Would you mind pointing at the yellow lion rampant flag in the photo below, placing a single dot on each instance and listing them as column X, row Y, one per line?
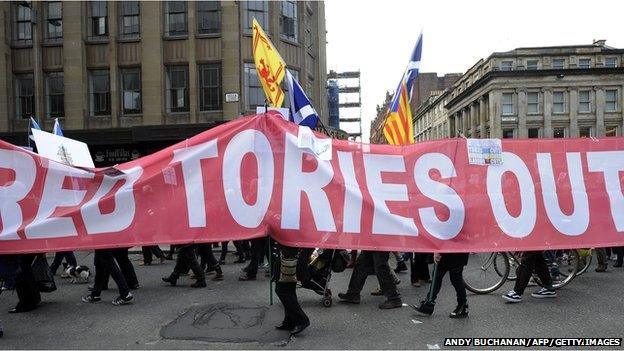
column 270, row 66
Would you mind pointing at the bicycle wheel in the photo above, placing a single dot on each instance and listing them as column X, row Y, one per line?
column 585, row 259
column 486, row 272
column 562, row 265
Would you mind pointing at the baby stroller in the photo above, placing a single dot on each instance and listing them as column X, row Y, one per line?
column 320, row 268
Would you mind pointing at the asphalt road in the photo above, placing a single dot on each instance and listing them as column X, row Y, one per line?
column 591, row 306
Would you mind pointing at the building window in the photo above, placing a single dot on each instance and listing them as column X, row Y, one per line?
column 54, row 21
column 288, row 21
column 99, row 92
column 532, row 64
column 508, row 133
column 55, row 95
column 584, row 101
column 131, row 91
column 584, row 63
column 586, row 132
column 177, row 89
column 558, row 63
column 508, row 104
column 210, row 87
column 129, row 23
column 253, row 88
column 611, row 100
column 25, row 95
column 175, row 18
column 98, row 19
column 533, row 105
column 611, row 62
column 257, row 9
column 533, row 133
column 559, row 133
column 208, row 17
column 506, row 65
column 611, row 131
column 559, row 103
column 23, row 26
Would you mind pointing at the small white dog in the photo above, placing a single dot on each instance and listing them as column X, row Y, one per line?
column 78, row 274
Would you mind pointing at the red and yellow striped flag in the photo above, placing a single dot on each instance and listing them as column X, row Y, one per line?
column 398, row 127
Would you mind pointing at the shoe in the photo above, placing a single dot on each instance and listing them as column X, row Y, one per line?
column 425, row 308
column 389, row 304
column 377, row 292
column 123, row 300
column 512, row 296
column 135, row 286
column 218, row 274
column 284, row 326
column 401, row 267
column 416, row 284
column 601, row 268
column 91, row 299
column 349, row 298
column 244, row 277
column 22, row 309
column 544, row 293
column 199, row 284
column 299, row 328
column 171, row 280
column 461, row 311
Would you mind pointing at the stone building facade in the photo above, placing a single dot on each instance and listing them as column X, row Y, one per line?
column 550, row 92
column 138, row 75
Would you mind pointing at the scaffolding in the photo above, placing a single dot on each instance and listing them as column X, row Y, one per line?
column 350, row 97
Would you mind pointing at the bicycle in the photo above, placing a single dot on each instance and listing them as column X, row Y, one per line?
column 486, row 272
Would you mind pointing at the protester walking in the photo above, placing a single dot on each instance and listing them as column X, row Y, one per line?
column 105, row 266
column 531, row 262
column 186, row 259
column 150, row 251
column 292, row 263
column 70, row 259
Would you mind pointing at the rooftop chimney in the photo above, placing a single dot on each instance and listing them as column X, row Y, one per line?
column 599, row 42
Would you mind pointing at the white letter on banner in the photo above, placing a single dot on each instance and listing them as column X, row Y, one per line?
column 352, row 211
column 385, row 222
column 610, row 163
column 439, row 192
column 191, row 157
column 516, row 227
column 95, row 221
column 577, row 222
column 296, row 181
column 25, row 172
column 54, row 196
column 248, row 141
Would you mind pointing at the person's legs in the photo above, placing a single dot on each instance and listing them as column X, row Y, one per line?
column 603, row 258
column 147, row 255
column 384, row 276
column 525, row 270
column 158, row 252
column 293, row 313
column 70, row 258
column 224, row 251
column 25, row 285
column 257, row 252
column 620, row 256
column 116, row 273
column 58, row 259
column 457, row 279
column 363, row 267
column 126, row 267
column 436, row 283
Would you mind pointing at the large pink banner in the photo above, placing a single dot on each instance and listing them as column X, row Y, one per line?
column 253, row 176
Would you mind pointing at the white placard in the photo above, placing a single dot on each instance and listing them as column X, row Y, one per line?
column 484, row 151
column 61, row 149
column 322, row 148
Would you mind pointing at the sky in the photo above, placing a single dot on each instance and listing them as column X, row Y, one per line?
column 377, row 37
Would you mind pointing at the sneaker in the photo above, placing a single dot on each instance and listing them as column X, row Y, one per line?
column 388, row 304
column 123, row 300
column 461, row 311
column 91, row 299
column 544, row 293
column 425, row 308
column 350, row 298
column 512, row 296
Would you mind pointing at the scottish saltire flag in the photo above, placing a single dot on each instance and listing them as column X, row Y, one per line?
column 301, row 110
column 398, row 127
column 35, row 125
column 57, row 128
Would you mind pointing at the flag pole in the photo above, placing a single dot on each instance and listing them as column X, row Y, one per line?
column 28, row 131
column 323, row 126
column 270, row 272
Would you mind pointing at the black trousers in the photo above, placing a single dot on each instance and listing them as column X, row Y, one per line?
column 373, row 262
column 69, row 257
column 531, row 261
column 126, row 267
column 419, row 267
column 456, row 277
column 293, row 313
column 149, row 251
column 186, row 259
column 258, row 248
column 206, row 256
column 105, row 266
column 25, row 285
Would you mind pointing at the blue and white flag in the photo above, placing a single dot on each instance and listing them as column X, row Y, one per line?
column 301, row 110
column 57, row 128
column 33, row 125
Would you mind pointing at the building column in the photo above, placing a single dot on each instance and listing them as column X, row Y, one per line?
column 548, row 102
column 574, row 129
column 232, row 81
column 37, row 38
column 466, row 121
column 152, row 69
column 494, row 108
column 600, row 106
column 192, row 63
column 482, row 114
column 6, row 77
column 74, row 66
column 473, row 120
column 522, row 114
column 115, row 84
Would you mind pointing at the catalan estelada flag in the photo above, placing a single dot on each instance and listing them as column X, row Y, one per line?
column 270, row 66
column 398, row 126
